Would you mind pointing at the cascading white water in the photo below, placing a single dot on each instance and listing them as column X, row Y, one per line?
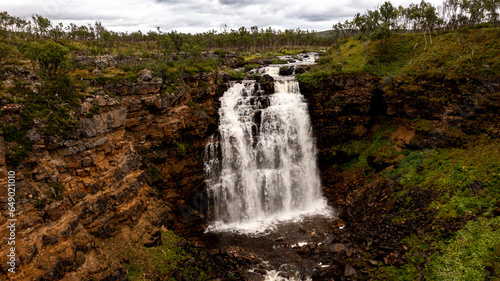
column 263, row 167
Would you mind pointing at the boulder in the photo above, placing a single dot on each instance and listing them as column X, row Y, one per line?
column 349, row 271
column 145, row 75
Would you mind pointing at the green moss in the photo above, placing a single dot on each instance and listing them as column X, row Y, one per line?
column 181, row 148
column 280, row 61
column 373, row 154
column 57, row 191
column 475, row 248
column 93, row 110
column 423, row 125
column 117, row 78
column 195, row 106
column 250, row 66
column 154, row 174
column 235, row 74
column 19, row 144
column 165, row 262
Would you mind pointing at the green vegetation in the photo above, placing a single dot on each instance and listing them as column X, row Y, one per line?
column 195, row 106
column 167, row 261
column 51, row 57
column 21, row 143
column 475, row 248
column 181, row 148
column 372, row 154
column 57, row 191
column 466, row 179
column 398, row 42
column 454, row 190
column 71, row 62
column 280, row 61
column 452, row 55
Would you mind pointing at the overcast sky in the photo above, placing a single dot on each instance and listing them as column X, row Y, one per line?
column 196, row 15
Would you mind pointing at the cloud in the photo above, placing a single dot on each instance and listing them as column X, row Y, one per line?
column 196, row 15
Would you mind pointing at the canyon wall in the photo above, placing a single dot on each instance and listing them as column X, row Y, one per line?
column 136, row 165
column 124, row 173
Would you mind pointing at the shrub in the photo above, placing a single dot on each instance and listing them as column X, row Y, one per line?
column 51, row 57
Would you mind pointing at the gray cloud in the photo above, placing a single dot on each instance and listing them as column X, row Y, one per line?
column 197, row 15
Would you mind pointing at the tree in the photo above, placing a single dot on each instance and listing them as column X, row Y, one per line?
column 166, row 44
column 51, row 57
column 42, row 24
column 388, row 13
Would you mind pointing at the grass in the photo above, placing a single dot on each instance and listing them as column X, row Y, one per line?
column 372, row 154
column 454, row 173
column 166, row 261
column 466, row 186
column 468, row 52
column 455, row 190
column 475, row 248
column 235, row 74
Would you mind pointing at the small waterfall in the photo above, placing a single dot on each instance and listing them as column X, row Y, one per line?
column 262, row 168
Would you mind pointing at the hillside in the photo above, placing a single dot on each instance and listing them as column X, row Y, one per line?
column 408, row 142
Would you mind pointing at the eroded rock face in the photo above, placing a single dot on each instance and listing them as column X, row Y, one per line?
column 76, row 194
column 350, row 108
column 3, row 171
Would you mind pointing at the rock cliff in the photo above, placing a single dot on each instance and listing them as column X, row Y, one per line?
column 428, row 112
column 136, row 164
column 74, row 194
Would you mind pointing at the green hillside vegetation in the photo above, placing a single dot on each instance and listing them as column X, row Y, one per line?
column 452, row 191
column 471, row 52
column 460, row 39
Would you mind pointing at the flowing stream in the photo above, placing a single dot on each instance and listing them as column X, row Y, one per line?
column 262, row 168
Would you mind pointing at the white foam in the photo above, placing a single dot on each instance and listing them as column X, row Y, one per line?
column 262, row 174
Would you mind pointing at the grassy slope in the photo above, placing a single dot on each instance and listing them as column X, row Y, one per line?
column 471, row 52
column 464, row 182
column 450, row 177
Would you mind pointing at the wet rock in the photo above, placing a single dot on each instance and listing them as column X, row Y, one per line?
column 302, row 69
column 260, row 271
column 337, row 248
column 268, row 78
column 349, row 271
column 333, row 272
column 286, row 70
column 304, row 250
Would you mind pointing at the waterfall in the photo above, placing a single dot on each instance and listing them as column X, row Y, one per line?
column 262, row 168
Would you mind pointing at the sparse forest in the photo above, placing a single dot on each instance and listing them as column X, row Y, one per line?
column 422, row 17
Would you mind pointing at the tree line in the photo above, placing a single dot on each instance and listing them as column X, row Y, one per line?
column 422, row 17
column 100, row 40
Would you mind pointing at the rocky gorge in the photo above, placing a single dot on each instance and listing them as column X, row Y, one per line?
column 133, row 170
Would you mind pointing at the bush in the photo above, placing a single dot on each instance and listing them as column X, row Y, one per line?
column 4, row 51
column 51, row 57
